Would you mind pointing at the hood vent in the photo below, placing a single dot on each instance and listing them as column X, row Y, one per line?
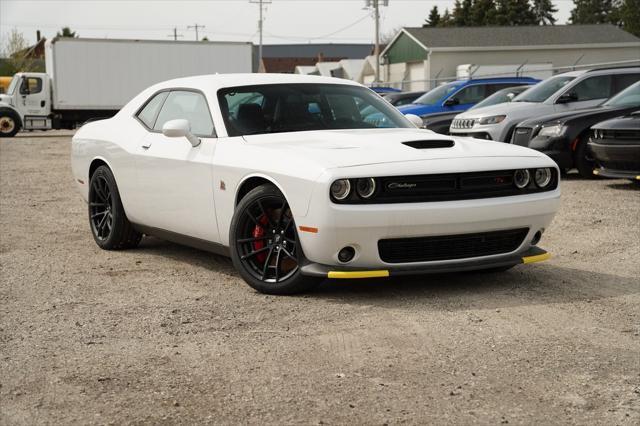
column 428, row 144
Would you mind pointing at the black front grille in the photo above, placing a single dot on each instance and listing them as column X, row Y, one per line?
column 448, row 247
column 620, row 134
column 521, row 136
column 623, row 166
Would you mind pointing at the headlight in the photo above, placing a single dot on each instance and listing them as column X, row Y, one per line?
column 492, row 120
column 552, row 131
column 521, row 178
column 341, row 189
column 366, row 187
column 542, row 177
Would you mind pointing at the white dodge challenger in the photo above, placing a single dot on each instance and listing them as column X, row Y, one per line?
column 302, row 178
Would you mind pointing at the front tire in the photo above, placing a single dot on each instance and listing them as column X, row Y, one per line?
column 264, row 244
column 109, row 224
column 583, row 160
column 9, row 123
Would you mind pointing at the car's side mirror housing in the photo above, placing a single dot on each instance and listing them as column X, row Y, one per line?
column 566, row 98
column 451, row 102
column 180, row 128
column 415, row 120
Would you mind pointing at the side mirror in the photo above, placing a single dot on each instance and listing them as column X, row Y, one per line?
column 451, row 102
column 565, row 98
column 180, row 128
column 415, row 120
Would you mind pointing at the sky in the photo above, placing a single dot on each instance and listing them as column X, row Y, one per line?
column 286, row 21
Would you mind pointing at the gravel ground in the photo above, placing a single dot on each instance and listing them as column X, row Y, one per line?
column 166, row 334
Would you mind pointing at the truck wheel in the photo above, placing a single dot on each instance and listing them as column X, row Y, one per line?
column 583, row 160
column 109, row 224
column 264, row 244
column 9, row 124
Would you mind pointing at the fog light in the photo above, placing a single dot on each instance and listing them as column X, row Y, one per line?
column 346, row 254
column 536, row 238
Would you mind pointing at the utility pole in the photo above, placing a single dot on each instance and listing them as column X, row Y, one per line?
column 175, row 34
column 375, row 5
column 260, row 25
column 196, row 26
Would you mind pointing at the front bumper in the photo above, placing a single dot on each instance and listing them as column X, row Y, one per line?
column 616, row 160
column 534, row 254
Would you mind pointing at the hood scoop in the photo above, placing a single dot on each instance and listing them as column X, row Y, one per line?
column 432, row 143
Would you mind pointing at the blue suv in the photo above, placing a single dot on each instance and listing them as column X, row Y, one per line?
column 460, row 95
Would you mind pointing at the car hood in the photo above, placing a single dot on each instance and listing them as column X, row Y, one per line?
column 510, row 109
column 346, row 148
column 628, row 122
column 563, row 117
column 419, row 109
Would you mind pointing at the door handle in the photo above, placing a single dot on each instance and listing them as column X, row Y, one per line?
column 146, row 145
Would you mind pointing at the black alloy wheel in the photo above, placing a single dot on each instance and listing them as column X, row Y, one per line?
column 109, row 224
column 264, row 243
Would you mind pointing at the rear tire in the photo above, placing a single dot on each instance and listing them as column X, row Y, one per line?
column 110, row 227
column 9, row 123
column 264, row 244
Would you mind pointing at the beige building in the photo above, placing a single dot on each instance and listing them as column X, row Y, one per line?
column 419, row 58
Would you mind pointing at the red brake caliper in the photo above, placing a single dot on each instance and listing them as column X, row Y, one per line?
column 258, row 231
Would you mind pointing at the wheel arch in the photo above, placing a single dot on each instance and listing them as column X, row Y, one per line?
column 97, row 162
column 253, row 181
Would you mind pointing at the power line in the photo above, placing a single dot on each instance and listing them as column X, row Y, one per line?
column 175, row 34
column 196, row 26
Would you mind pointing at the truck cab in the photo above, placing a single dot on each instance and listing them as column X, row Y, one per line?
column 26, row 105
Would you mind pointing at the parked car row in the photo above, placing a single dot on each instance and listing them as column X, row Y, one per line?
column 557, row 116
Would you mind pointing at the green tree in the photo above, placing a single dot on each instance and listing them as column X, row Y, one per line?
column 433, row 20
column 446, row 20
column 594, row 12
column 17, row 52
column 483, row 12
column 462, row 13
column 66, row 32
column 630, row 16
column 544, row 11
column 515, row 12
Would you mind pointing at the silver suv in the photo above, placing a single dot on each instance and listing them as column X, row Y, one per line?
column 560, row 93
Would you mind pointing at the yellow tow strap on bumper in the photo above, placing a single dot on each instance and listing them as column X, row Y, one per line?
column 357, row 274
column 536, row 258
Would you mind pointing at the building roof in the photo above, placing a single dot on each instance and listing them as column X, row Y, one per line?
column 340, row 50
column 451, row 37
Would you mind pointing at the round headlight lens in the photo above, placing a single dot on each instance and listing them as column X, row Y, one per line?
column 366, row 187
column 521, row 178
column 543, row 177
column 341, row 189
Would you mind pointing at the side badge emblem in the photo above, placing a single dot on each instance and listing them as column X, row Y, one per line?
column 222, row 185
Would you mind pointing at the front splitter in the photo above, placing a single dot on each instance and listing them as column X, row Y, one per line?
column 534, row 254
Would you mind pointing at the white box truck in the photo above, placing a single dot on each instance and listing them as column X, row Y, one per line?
column 93, row 78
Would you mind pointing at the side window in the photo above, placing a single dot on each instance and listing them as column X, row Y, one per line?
column 470, row 94
column 622, row 81
column 149, row 113
column 191, row 106
column 493, row 88
column 598, row 87
column 31, row 86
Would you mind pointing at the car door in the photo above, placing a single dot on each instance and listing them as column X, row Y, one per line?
column 586, row 93
column 33, row 96
column 174, row 178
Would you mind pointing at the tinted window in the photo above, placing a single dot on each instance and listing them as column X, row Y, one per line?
column 542, row 91
column 598, row 87
column 622, row 81
column 501, row 96
column 470, row 94
column 434, row 95
column 403, row 101
column 191, row 106
column 630, row 97
column 493, row 88
column 149, row 112
column 274, row 108
column 31, row 85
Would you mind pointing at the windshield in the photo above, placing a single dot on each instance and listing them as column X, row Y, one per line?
column 628, row 97
column 434, row 95
column 542, row 91
column 501, row 96
column 12, row 85
column 276, row 108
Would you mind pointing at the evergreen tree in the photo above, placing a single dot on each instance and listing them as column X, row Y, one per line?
column 594, row 12
column 446, row 20
column 543, row 11
column 66, row 32
column 483, row 12
column 462, row 13
column 630, row 16
column 515, row 12
column 434, row 18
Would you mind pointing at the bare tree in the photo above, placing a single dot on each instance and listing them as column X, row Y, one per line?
column 18, row 53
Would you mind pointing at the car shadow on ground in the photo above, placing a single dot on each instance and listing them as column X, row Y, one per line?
column 522, row 285
column 625, row 185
